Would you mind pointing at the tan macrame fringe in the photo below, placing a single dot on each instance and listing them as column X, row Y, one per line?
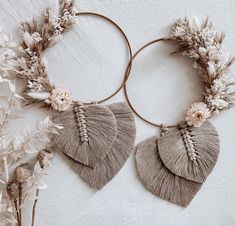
column 192, row 155
column 106, row 169
column 101, row 132
column 160, row 180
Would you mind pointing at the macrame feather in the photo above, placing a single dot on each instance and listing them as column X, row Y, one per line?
column 190, row 152
column 88, row 134
column 107, row 168
column 158, row 179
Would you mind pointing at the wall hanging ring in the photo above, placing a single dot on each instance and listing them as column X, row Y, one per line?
column 161, row 125
column 129, row 49
column 96, row 139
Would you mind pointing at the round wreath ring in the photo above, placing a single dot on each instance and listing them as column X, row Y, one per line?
column 203, row 45
column 31, row 66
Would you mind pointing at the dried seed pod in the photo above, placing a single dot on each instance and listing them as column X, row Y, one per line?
column 13, row 190
column 40, row 158
column 23, row 172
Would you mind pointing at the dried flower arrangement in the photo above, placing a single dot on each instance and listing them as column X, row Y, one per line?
column 30, row 65
column 200, row 42
column 16, row 189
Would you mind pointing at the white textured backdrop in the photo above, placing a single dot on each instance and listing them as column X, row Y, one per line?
column 90, row 61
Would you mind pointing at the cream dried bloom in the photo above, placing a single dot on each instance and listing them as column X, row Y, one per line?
column 197, row 114
column 36, row 36
column 218, row 86
column 60, row 99
column 219, row 103
column 31, row 39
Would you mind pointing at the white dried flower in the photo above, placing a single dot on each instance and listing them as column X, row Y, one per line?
column 218, row 86
column 36, row 36
column 34, row 86
column 223, row 58
column 197, row 114
column 219, row 103
column 203, row 51
column 28, row 39
column 179, row 31
column 211, row 68
column 60, row 99
column 57, row 28
column 31, row 39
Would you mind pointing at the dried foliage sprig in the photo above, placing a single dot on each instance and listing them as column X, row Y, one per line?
column 10, row 106
column 7, row 213
column 7, row 54
column 25, row 180
column 41, row 168
column 29, row 141
column 31, row 66
column 35, row 182
column 203, row 44
column 9, row 109
column 14, row 190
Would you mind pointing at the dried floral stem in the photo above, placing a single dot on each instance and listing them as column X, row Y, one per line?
column 1, row 181
column 6, row 117
column 20, row 201
column 17, row 212
column 6, row 168
column 41, row 157
column 34, row 207
column 34, row 182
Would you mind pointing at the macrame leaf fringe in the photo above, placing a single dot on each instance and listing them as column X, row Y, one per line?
column 190, row 152
column 88, row 134
column 108, row 167
column 158, row 179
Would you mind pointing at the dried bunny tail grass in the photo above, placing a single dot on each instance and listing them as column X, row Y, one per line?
column 200, row 42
